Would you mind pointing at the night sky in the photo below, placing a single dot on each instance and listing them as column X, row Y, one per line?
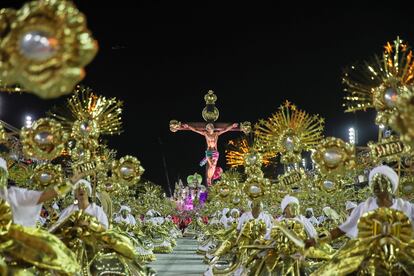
column 161, row 59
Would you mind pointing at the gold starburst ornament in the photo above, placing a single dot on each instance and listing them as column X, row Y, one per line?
column 44, row 140
column 91, row 115
column 241, row 153
column 290, row 131
column 379, row 84
column 44, row 47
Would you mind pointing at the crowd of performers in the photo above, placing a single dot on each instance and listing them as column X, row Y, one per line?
column 256, row 242
column 79, row 239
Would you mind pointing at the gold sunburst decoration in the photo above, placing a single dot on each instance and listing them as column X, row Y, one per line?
column 44, row 140
column 91, row 115
column 378, row 84
column 44, row 47
column 333, row 157
column 384, row 223
column 240, row 149
column 290, row 131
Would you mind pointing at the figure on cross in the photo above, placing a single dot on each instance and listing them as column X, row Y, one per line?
column 211, row 153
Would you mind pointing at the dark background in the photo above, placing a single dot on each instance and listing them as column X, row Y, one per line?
column 161, row 59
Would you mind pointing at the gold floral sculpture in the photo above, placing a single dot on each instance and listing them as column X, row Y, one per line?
column 44, row 47
column 44, row 140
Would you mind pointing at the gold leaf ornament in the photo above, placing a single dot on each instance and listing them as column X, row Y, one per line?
column 44, row 140
column 44, row 47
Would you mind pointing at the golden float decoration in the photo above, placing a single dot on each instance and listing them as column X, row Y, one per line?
column 296, row 180
column 379, row 84
column 240, row 153
column 44, row 47
column 81, row 152
column 389, row 149
column 44, row 140
column 406, row 186
column 46, row 175
column 334, row 157
column 246, row 127
column 127, row 170
column 290, row 131
column 329, row 185
column 403, row 120
column 175, row 125
column 3, row 134
column 255, row 187
column 90, row 117
column 210, row 113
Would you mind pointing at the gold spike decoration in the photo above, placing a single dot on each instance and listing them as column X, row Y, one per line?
column 290, row 131
column 239, row 149
column 91, row 115
column 378, row 84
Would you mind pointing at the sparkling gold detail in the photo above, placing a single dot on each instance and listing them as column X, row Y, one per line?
column 44, row 47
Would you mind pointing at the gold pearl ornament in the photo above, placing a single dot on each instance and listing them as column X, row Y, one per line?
column 44, row 47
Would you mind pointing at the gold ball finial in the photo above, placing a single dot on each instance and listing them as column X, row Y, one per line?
column 210, row 113
column 210, row 97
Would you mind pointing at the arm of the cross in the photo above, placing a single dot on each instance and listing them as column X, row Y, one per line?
column 201, row 126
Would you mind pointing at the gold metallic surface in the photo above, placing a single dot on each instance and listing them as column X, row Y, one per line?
column 69, row 42
column 342, row 161
column 290, row 131
column 379, row 84
column 44, row 140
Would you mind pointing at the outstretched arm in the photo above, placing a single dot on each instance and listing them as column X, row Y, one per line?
column 185, row 126
column 228, row 128
column 333, row 235
column 52, row 193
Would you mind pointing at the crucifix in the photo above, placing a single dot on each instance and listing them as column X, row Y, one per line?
column 211, row 131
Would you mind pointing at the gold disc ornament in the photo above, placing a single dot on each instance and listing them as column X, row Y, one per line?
column 44, row 47
column 44, row 140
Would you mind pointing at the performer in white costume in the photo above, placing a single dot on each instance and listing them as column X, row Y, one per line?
column 311, row 217
column 383, row 182
column 82, row 192
column 350, row 206
column 27, row 204
column 125, row 216
column 257, row 214
column 293, row 213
